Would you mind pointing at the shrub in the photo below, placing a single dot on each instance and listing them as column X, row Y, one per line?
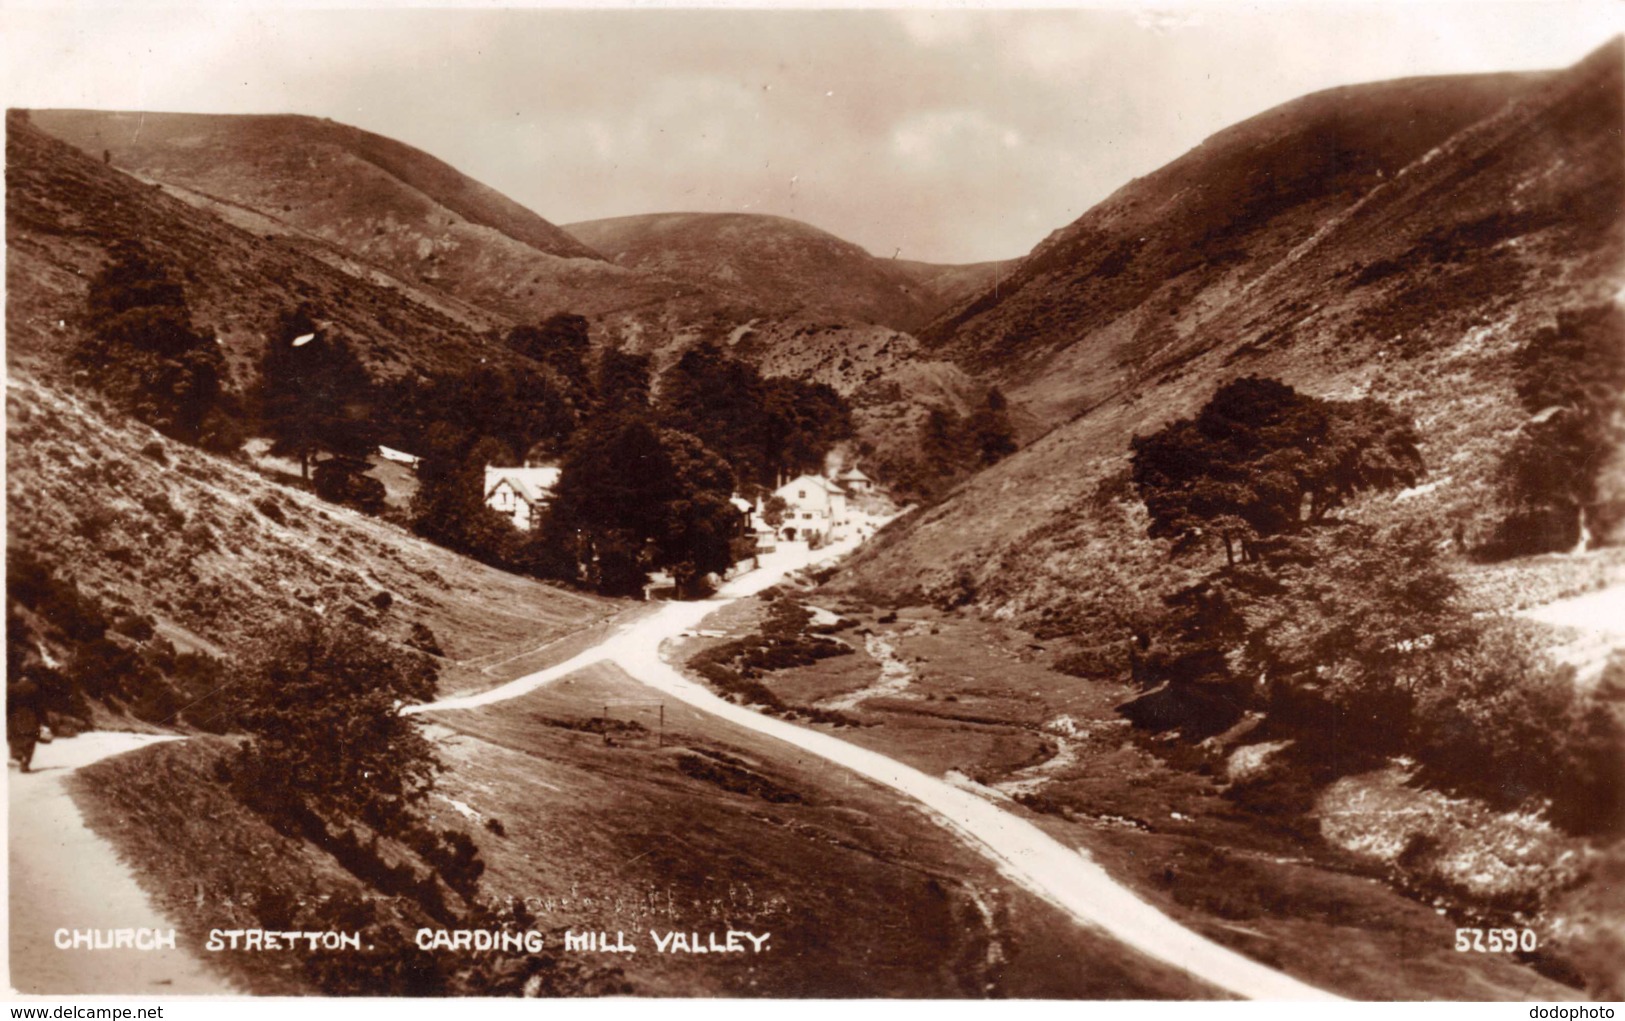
column 271, row 509
column 1095, row 661
column 158, row 506
column 340, row 480
column 137, row 626
column 1512, row 729
column 321, row 711
column 199, row 537
column 424, row 641
column 59, row 603
column 142, row 350
column 95, row 523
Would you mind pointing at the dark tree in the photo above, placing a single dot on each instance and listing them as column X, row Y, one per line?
column 762, row 427
column 720, row 400
column 623, row 382
column 322, row 711
column 1570, row 378
column 945, row 440
column 1260, row 460
column 522, row 408
column 802, row 421
column 449, row 505
column 143, row 351
column 990, row 426
column 561, row 343
column 634, row 497
column 314, row 396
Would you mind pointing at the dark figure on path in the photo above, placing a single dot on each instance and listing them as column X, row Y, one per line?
column 22, row 720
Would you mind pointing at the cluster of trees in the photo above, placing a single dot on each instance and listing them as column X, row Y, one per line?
column 635, row 495
column 1569, row 377
column 644, row 485
column 645, row 482
column 1352, row 638
column 142, row 349
column 313, row 397
column 1261, row 461
column 764, row 428
column 952, row 446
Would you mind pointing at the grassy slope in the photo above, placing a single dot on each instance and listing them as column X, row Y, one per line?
column 382, row 203
column 65, row 210
column 381, row 222
column 864, row 896
column 201, row 856
column 1052, row 536
column 190, row 542
column 949, row 285
column 984, row 702
column 1102, row 300
column 770, row 262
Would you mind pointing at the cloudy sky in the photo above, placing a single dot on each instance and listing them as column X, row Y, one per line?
column 949, row 135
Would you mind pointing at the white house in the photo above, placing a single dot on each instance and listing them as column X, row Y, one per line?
column 815, row 505
column 520, row 493
column 854, row 481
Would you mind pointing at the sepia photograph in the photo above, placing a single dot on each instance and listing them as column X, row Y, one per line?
column 1096, row 503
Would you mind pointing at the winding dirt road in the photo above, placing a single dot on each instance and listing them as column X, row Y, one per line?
column 1597, row 621
column 65, row 876
column 1023, row 853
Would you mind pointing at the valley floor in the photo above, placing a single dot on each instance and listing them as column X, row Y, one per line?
column 1001, row 829
column 980, row 706
column 1062, row 875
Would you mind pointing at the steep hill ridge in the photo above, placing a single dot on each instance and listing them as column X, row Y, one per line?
column 1099, row 300
column 211, row 149
column 386, row 213
column 1417, row 292
column 65, row 210
column 378, row 200
column 777, row 265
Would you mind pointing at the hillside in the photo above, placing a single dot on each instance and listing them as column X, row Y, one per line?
column 946, row 286
column 779, row 266
column 1101, row 302
column 1416, row 292
column 388, row 216
column 380, row 202
column 1423, row 293
column 208, row 148
column 65, row 211
column 213, row 554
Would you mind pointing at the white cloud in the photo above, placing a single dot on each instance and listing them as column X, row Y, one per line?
column 1164, row 21
column 933, row 136
column 941, row 27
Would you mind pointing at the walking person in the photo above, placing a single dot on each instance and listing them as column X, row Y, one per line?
column 22, row 720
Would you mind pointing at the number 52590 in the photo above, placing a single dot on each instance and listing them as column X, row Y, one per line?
column 1495, row 941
